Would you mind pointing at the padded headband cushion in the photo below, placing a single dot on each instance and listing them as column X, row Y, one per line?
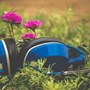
column 13, row 54
column 33, row 43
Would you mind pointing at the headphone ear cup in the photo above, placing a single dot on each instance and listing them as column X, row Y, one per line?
column 43, row 47
column 32, row 43
column 9, row 56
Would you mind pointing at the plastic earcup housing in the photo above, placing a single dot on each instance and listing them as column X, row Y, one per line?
column 8, row 56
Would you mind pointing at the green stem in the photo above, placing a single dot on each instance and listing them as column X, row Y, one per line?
column 12, row 32
column 9, row 30
column 34, row 32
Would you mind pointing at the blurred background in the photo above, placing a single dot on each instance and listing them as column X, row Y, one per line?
column 32, row 7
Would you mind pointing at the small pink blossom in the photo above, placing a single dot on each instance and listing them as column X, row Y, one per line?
column 29, row 36
column 33, row 24
column 12, row 18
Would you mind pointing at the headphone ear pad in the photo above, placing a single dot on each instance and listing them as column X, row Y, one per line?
column 43, row 46
column 10, row 60
column 32, row 43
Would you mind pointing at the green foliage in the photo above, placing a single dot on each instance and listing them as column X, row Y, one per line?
column 30, row 79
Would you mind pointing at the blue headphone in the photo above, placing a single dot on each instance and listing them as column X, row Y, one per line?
column 56, row 52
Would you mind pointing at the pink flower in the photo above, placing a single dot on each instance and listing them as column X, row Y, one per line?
column 29, row 36
column 12, row 18
column 33, row 24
